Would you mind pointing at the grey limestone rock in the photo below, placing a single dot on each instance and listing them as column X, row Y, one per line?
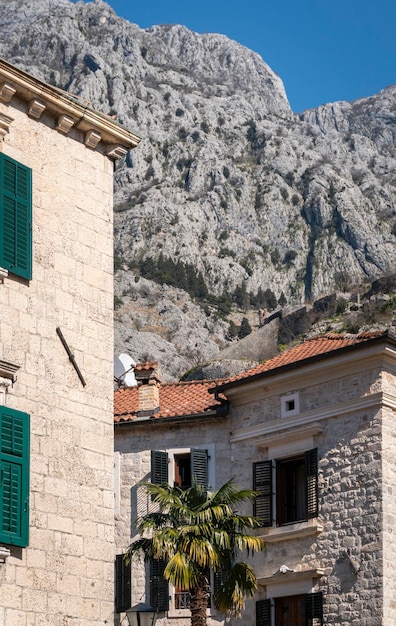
column 227, row 180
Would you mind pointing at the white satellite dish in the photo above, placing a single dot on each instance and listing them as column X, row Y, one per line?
column 124, row 370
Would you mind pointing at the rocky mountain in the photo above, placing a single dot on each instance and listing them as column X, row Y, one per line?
column 231, row 202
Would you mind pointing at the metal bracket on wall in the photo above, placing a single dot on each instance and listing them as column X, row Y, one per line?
column 70, row 355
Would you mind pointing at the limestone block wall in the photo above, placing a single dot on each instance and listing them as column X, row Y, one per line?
column 389, row 510
column 134, row 444
column 65, row 575
column 354, row 499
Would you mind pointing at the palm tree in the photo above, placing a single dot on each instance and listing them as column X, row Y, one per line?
column 194, row 531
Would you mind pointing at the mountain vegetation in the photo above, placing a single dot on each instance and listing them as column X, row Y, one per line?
column 232, row 202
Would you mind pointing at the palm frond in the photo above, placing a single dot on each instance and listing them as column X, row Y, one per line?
column 241, row 583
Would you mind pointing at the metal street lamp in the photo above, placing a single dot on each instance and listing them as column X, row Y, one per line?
column 141, row 615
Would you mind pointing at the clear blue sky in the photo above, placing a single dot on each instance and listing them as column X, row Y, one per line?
column 323, row 50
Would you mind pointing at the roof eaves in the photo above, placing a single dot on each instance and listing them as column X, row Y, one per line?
column 152, row 419
column 386, row 335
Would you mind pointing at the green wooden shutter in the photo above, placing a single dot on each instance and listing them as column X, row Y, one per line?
column 311, row 473
column 314, row 609
column 15, row 217
column 263, row 613
column 159, row 588
column 122, row 584
column 199, row 467
column 159, row 467
column 14, row 477
column 262, row 484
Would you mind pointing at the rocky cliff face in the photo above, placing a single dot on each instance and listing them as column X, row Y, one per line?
column 230, row 195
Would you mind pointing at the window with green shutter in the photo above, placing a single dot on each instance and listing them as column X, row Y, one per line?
column 296, row 489
column 159, row 587
column 14, row 477
column 15, row 217
column 122, row 584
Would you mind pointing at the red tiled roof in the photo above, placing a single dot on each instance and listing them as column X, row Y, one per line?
column 147, row 365
column 176, row 400
column 313, row 347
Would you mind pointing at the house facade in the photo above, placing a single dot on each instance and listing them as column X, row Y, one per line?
column 312, row 431
column 56, row 355
column 169, row 433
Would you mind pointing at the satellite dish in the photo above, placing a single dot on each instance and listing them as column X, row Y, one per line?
column 124, row 370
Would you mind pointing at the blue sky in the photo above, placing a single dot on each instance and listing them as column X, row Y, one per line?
column 323, row 50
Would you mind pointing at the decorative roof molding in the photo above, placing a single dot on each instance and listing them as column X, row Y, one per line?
column 36, row 109
column 5, row 123
column 65, row 123
column 8, row 371
column 68, row 110
column 92, row 139
column 7, row 92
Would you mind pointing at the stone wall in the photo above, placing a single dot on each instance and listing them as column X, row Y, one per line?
column 134, row 443
column 356, row 478
column 65, row 575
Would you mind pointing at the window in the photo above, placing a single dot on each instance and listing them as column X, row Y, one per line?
column 159, row 586
column 302, row 610
column 290, row 404
column 188, row 467
column 14, row 477
column 122, row 584
column 15, row 217
column 296, row 489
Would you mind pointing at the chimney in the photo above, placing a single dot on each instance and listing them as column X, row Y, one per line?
column 149, row 383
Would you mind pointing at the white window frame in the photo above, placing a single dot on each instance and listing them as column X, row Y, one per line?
column 288, row 400
column 172, row 452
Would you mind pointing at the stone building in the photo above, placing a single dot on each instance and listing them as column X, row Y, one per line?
column 56, row 355
column 312, row 431
column 163, row 433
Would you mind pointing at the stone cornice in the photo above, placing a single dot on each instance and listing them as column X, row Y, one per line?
column 69, row 111
column 290, row 575
column 8, row 371
column 259, row 432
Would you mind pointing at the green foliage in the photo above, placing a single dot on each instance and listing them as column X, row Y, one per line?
column 118, row 262
column 245, row 328
column 284, row 193
column 289, row 258
column 176, row 274
column 179, row 112
column 195, row 136
column 275, row 257
column 223, row 303
column 149, row 173
column 295, row 200
column 282, row 300
column 226, row 172
column 251, row 134
column 232, row 330
column 117, row 302
column 193, row 531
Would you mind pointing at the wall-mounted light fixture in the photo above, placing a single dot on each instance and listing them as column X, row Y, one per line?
column 141, row 615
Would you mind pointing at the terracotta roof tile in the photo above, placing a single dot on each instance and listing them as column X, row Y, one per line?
column 176, row 400
column 147, row 365
column 313, row 347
